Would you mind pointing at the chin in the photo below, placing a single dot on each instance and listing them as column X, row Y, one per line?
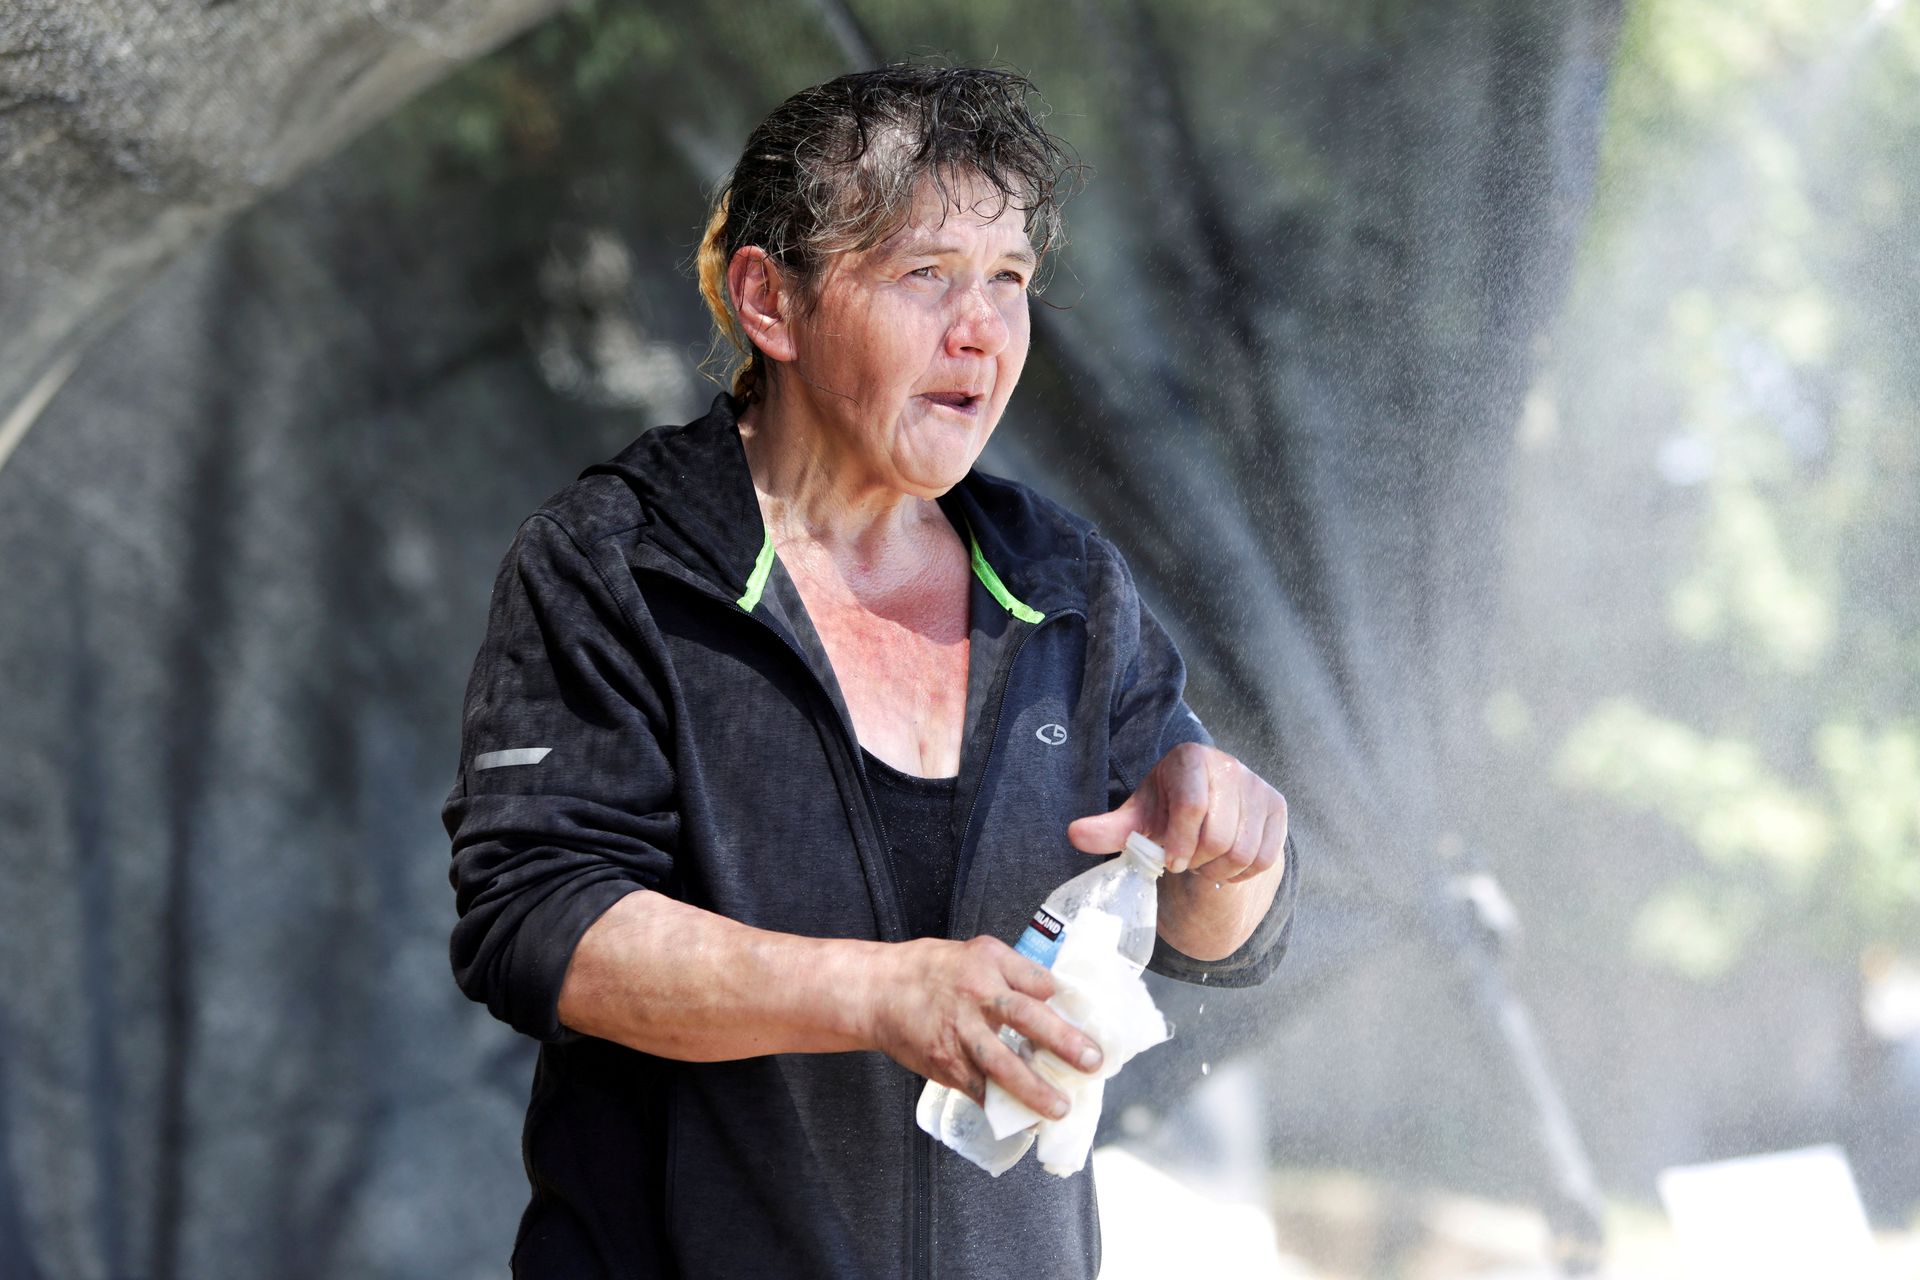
column 932, row 471
column 931, row 482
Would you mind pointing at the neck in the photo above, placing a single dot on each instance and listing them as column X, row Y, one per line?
column 819, row 497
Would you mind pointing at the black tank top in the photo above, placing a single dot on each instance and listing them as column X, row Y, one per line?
column 917, row 814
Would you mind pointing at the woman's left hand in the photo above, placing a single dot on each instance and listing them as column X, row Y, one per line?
column 1211, row 814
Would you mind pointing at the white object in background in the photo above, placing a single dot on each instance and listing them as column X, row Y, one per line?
column 1153, row 1227
column 1790, row 1215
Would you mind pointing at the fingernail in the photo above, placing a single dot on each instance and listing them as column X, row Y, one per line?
column 1089, row 1058
column 1058, row 1109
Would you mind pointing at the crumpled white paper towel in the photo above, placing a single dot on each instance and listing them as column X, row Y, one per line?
column 1097, row 990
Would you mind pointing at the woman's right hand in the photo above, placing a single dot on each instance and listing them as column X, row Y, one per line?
column 938, row 1008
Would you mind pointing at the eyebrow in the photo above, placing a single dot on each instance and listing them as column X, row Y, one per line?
column 919, row 248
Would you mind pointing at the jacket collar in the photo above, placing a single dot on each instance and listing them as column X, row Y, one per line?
column 702, row 512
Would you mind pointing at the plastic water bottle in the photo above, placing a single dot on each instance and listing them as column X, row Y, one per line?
column 1122, row 886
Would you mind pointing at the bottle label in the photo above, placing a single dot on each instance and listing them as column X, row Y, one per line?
column 1040, row 942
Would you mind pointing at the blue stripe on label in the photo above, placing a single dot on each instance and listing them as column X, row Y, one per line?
column 1038, row 947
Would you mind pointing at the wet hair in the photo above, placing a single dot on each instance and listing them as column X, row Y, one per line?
column 835, row 168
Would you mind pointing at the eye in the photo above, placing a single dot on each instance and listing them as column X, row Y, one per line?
column 1014, row 276
column 924, row 273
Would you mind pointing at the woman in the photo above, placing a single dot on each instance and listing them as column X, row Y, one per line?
column 786, row 718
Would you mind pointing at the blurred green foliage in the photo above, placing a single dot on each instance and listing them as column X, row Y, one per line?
column 1752, row 267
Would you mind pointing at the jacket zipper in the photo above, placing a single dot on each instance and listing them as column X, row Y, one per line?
column 923, row 1149
column 920, row 1145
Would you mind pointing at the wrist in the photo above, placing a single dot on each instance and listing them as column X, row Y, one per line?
column 1208, row 923
column 865, row 980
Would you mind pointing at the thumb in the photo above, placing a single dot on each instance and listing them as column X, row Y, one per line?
column 1108, row 832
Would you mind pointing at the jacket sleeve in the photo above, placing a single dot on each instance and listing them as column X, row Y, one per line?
column 564, row 802
column 1150, row 718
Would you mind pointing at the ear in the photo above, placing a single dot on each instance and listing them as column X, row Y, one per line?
column 763, row 299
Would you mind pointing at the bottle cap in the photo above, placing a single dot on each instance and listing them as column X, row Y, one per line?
column 1148, row 852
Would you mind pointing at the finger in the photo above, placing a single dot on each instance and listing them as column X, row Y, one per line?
column 949, row 1061
column 966, row 1078
column 1046, row 1029
column 1226, row 815
column 1245, row 851
column 1184, row 784
column 1107, row 832
column 1005, row 1067
column 1273, row 841
column 1026, row 977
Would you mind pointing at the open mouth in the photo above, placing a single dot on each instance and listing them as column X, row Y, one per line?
column 956, row 401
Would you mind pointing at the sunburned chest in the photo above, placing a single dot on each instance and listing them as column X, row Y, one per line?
column 903, row 673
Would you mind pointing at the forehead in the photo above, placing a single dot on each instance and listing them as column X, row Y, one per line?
column 969, row 207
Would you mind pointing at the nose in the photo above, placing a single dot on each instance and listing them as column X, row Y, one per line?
column 978, row 327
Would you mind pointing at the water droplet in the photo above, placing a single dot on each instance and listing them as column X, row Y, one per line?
column 1206, row 1068
column 1202, row 1008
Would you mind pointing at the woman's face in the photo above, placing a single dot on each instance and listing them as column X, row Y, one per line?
column 914, row 349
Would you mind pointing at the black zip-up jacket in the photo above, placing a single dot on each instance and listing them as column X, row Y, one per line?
column 651, row 709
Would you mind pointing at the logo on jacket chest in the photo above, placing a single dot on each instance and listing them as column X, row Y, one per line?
column 1045, row 734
